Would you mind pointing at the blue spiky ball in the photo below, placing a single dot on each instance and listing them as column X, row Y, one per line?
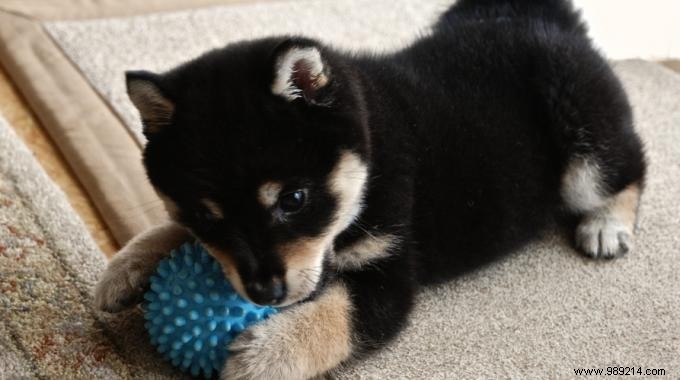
column 192, row 312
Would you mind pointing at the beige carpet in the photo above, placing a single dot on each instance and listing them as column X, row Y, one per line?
column 538, row 314
column 48, row 266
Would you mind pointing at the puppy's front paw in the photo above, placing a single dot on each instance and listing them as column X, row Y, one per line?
column 258, row 353
column 123, row 283
column 302, row 342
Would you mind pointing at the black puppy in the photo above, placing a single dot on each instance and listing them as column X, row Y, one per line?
column 337, row 184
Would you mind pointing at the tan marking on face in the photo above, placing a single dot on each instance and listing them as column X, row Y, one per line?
column 228, row 268
column 303, row 258
column 301, row 342
column 365, row 250
column 268, row 193
column 347, row 182
column 213, row 208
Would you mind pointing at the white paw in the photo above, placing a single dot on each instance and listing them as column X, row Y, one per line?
column 300, row 342
column 603, row 236
column 123, row 283
column 264, row 351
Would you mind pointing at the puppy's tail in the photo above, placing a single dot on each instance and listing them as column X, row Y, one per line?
column 560, row 12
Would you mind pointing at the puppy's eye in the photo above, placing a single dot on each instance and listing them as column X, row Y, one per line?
column 293, row 201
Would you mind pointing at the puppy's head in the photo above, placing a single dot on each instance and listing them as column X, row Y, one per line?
column 261, row 150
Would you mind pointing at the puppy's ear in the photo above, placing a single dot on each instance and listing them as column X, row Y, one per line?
column 300, row 72
column 155, row 108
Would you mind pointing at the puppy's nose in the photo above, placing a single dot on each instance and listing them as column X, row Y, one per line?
column 267, row 293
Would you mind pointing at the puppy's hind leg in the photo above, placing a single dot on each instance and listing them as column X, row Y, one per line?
column 602, row 158
column 607, row 222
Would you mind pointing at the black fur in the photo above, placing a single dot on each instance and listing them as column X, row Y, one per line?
column 467, row 134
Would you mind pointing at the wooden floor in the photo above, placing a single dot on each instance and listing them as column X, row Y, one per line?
column 16, row 111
